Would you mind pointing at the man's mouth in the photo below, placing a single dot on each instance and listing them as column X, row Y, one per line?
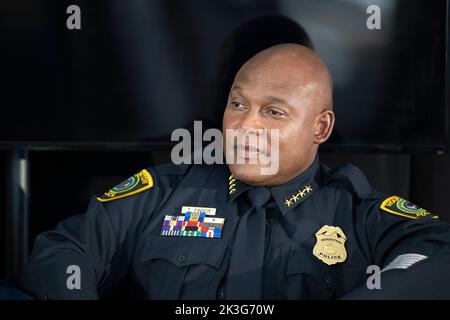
column 248, row 151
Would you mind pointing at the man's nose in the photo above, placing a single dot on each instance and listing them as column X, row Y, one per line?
column 251, row 122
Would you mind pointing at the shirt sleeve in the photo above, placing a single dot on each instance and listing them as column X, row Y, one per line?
column 84, row 252
column 411, row 247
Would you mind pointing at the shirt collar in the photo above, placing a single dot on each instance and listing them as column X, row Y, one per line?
column 236, row 187
column 287, row 195
column 290, row 194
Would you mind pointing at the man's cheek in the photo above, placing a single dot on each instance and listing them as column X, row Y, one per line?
column 225, row 121
column 228, row 124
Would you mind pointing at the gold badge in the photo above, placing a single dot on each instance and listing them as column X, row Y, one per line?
column 330, row 245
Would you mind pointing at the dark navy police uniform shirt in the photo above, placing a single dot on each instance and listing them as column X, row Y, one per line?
column 322, row 231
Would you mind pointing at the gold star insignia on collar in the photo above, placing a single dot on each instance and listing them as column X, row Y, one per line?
column 288, row 202
column 297, row 196
column 231, row 184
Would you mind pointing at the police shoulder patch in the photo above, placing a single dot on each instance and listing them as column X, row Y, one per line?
column 403, row 208
column 137, row 183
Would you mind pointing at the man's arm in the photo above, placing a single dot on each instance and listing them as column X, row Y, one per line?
column 411, row 247
column 88, row 245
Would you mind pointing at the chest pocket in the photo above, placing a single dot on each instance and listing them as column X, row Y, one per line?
column 183, row 267
column 309, row 278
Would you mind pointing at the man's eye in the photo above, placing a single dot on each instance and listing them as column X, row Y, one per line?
column 237, row 105
column 274, row 113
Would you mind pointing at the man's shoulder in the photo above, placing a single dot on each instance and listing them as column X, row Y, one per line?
column 184, row 170
column 349, row 178
column 161, row 178
column 146, row 180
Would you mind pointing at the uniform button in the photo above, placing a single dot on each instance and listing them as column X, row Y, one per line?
column 181, row 258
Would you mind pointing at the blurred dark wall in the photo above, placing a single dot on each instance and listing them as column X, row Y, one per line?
column 138, row 69
column 2, row 212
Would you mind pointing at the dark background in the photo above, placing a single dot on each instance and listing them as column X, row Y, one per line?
column 90, row 107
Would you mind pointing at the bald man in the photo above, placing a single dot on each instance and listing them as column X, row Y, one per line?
column 231, row 231
column 287, row 88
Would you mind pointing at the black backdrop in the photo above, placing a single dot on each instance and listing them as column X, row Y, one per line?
column 139, row 69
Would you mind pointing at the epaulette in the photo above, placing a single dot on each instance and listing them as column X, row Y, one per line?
column 353, row 177
column 172, row 169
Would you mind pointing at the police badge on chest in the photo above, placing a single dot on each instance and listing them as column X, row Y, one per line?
column 330, row 245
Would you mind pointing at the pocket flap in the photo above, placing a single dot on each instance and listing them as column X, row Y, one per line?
column 183, row 251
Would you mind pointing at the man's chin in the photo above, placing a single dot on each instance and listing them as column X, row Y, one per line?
column 249, row 173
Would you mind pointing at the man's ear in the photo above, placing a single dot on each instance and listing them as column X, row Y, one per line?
column 323, row 126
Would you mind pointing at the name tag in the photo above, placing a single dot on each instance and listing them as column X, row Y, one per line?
column 207, row 211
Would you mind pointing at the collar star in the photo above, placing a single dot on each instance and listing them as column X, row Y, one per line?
column 231, row 184
column 297, row 196
column 288, row 202
column 287, row 195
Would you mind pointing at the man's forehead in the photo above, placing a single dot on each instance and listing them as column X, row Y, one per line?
column 284, row 90
column 247, row 81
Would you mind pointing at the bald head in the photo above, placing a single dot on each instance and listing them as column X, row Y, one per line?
column 287, row 89
column 295, row 68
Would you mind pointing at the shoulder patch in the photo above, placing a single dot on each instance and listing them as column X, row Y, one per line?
column 403, row 208
column 137, row 183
